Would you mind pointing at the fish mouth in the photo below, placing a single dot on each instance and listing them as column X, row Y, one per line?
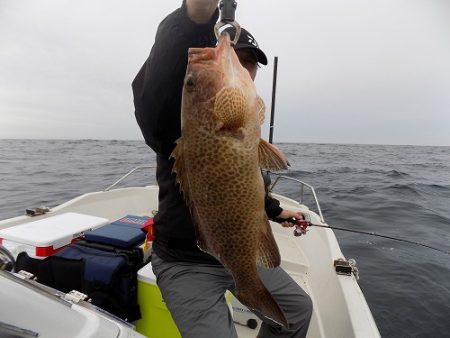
column 211, row 54
column 224, row 42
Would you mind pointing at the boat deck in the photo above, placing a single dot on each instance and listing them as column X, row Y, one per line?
column 340, row 309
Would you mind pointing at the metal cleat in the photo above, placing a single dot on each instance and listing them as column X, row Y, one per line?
column 37, row 211
column 346, row 268
column 75, row 296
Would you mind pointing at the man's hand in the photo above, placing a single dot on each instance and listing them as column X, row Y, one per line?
column 201, row 11
column 288, row 214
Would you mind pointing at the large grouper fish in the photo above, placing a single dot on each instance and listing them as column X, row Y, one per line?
column 218, row 162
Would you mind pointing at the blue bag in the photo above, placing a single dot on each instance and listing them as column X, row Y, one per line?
column 108, row 278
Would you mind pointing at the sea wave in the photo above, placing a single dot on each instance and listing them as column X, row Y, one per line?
column 400, row 191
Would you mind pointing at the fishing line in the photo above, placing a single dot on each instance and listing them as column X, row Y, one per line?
column 379, row 235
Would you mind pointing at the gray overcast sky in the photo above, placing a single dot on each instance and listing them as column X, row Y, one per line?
column 350, row 71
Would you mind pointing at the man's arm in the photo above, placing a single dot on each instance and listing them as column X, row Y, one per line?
column 201, row 11
column 157, row 88
column 274, row 211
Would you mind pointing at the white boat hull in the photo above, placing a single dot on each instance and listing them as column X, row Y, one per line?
column 340, row 309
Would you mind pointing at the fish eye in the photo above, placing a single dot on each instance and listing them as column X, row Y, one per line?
column 189, row 81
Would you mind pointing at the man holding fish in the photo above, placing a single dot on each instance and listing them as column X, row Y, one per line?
column 198, row 109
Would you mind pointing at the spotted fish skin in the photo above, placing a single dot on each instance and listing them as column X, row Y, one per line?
column 217, row 163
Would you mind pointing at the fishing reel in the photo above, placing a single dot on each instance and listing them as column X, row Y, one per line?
column 300, row 225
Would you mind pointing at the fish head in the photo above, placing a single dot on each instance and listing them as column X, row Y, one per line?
column 218, row 92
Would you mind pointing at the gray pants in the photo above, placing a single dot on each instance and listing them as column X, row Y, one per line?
column 194, row 294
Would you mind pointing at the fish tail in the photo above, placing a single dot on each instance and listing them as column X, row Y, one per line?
column 256, row 297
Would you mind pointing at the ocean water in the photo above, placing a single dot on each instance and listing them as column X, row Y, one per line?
column 398, row 191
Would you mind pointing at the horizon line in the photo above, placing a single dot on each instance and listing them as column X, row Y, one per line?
column 280, row 142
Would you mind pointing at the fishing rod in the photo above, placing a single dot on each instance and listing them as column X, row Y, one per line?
column 274, row 88
column 301, row 226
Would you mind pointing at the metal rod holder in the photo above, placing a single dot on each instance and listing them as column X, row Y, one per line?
column 227, row 10
column 227, row 17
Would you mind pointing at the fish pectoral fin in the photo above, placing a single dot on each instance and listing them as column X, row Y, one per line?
column 178, row 168
column 261, row 109
column 268, row 253
column 270, row 157
column 230, row 107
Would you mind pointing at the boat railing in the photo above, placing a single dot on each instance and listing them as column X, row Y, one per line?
column 277, row 176
column 128, row 174
column 302, row 186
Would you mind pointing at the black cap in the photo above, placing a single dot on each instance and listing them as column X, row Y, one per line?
column 246, row 40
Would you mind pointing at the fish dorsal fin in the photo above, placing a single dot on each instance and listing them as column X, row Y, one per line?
column 182, row 180
column 268, row 253
column 260, row 109
column 230, row 107
column 270, row 157
column 178, row 169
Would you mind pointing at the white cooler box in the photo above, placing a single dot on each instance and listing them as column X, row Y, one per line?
column 44, row 237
